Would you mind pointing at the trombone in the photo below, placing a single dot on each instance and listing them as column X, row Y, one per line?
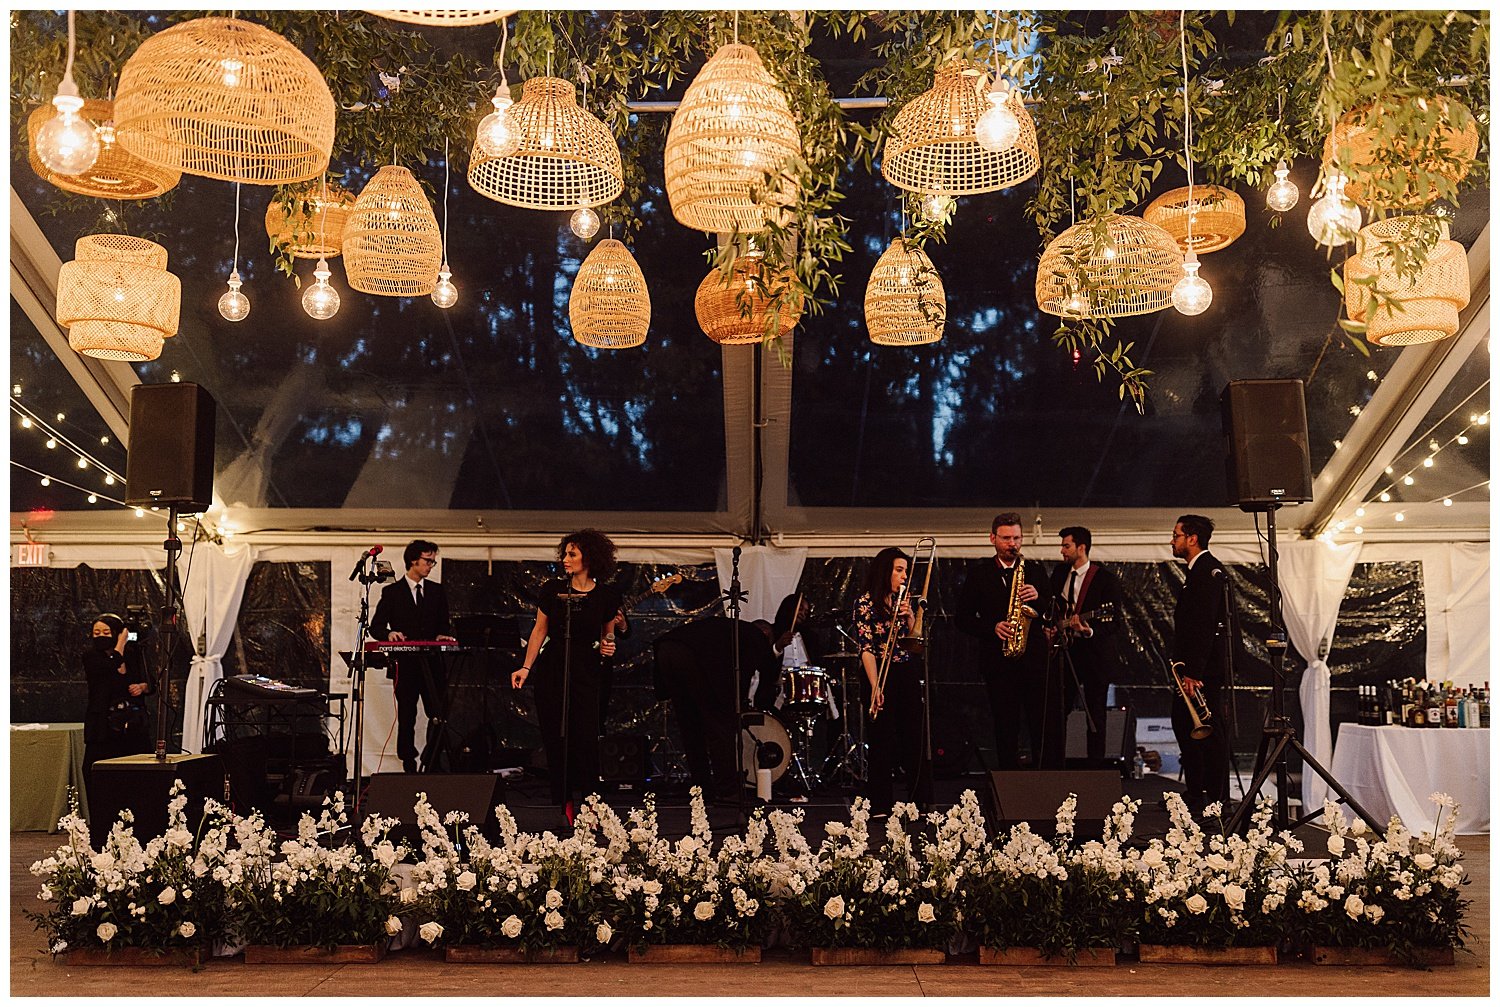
column 912, row 639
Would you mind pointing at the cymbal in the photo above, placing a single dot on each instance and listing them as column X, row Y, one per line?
column 841, row 653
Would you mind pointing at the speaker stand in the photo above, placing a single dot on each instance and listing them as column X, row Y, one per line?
column 173, row 548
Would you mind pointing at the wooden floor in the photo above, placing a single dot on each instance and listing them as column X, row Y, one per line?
column 783, row 973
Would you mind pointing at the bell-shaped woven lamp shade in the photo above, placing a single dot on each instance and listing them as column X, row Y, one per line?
column 228, row 99
column 1217, row 213
column 117, row 174
column 567, row 157
column 719, row 310
column 905, row 304
column 932, row 147
column 116, row 298
column 1130, row 272
column 1424, row 308
column 303, row 227
column 392, row 244
column 1356, row 146
column 442, row 18
column 734, row 126
column 610, row 307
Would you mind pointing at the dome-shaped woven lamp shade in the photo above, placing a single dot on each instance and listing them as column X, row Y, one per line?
column 610, row 307
column 392, row 244
column 932, row 147
column 1218, row 217
column 228, row 99
column 733, row 127
column 1426, row 305
column 116, row 298
column 117, row 174
column 444, row 18
column 1447, row 151
column 302, row 226
column 1136, row 279
column 905, row 304
column 567, row 158
column 717, row 305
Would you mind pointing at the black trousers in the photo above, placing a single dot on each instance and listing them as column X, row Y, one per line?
column 1205, row 763
column 1025, row 695
column 704, row 704
column 896, row 742
column 581, row 750
column 425, row 678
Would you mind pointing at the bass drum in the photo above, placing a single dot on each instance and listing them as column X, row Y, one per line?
column 764, row 744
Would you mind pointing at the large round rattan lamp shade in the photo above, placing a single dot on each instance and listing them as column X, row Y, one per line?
column 932, row 147
column 1422, row 308
column 442, row 17
column 905, row 304
column 227, row 99
column 1379, row 170
column 392, row 244
column 610, row 307
column 116, row 298
column 567, row 157
column 734, row 126
column 116, row 174
column 311, row 224
column 722, row 315
column 1130, row 270
column 1217, row 216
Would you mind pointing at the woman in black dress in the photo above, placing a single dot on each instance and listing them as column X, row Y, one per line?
column 114, row 722
column 588, row 558
column 895, row 730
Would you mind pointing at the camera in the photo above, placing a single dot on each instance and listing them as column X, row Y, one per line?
column 137, row 622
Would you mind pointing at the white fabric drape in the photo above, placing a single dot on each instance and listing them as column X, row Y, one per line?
column 210, row 610
column 1313, row 576
column 767, row 573
column 1456, row 586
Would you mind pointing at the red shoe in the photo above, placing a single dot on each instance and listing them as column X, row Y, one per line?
column 570, row 812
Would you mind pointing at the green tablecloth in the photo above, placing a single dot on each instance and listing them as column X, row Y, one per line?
column 44, row 763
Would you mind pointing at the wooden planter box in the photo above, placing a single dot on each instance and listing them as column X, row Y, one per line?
column 1379, row 956
column 872, row 956
column 132, row 956
column 470, row 954
column 696, row 954
column 304, row 954
column 1180, row 954
column 1034, row 956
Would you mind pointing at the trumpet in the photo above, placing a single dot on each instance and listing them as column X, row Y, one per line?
column 1197, row 706
column 914, row 639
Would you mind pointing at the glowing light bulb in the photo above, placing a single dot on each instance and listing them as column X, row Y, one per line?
column 1333, row 220
column 83, row 463
column 1400, row 515
column 1385, row 497
column 1427, row 462
column 106, row 133
column 733, row 109
column 176, row 375
column 1463, row 439
column 584, row 222
column 1409, row 481
column 1337, row 443
column 1447, row 501
column 1283, row 193
column 1108, row 252
column 1077, row 305
column 104, row 439
column 1359, row 529
column 93, row 498
column 320, row 300
column 1484, row 419
column 232, row 68
column 1340, row 526
column 998, row 128
column 139, row 512
column 1192, row 295
column 119, row 295
column 109, row 480
column 51, row 442
column 1372, row 375
column 444, row 293
column 498, row 135
column 1359, row 512
column 61, row 417
column 1432, row 444
column 46, row 481
column 233, row 305
column 936, row 206
column 15, row 390
column 1389, row 470
column 66, row 143
column 25, row 422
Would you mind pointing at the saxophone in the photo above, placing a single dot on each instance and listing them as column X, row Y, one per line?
column 1018, row 614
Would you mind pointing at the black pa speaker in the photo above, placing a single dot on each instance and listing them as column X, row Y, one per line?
column 1265, row 441
column 143, row 785
column 622, row 758
column 1035, row 795
column 1116, row 720
column 394, row 795
column 171, row 456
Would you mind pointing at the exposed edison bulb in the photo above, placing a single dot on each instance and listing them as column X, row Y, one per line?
column 937, row 207
column 1385, row 496
column 93, row 498
column 1333, row 220
column 1192, row 295
column 734, row 109
column 998, row 128
column 498, row 135
column 584, row 222
column 66, row 143
column 1359, row 512
column 176, row 375
column 1427, row 462
column 1359, row 529
column 1283, row 193
column 1400, row 515
column 139, row 512
column 51, row 443
column 444, row 293
column 25, row 422
column 46, row 480
column 233, row 305
column 232, row 68
column 1408, row 480
column 105, row 131
column 83, row 463
column 1463, row 438
column 320, row 300
column 109, row 480
column 1447, row 501
column 1077, row 304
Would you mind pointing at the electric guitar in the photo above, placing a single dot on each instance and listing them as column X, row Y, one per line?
column 1104, row 614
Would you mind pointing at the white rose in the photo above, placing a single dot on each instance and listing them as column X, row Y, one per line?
column 1374, row 912
column 1152, row 857
column 82, row 906
column 107, row 932
column 1234, row 897
column 168, row 896
column 925, row 913
column 703, row 911
column 1336, row 845
column 1354, row 906
column 554, row 898
column 553, row 920
column 392, row 925
column 603, row 934
column 834, row 907
column 466, row 881
column 1425, row 861
column 188, row 928
column 187, row 893
column 511, row 927
column 1196, row 904
column 430, row 932
column 408, row 895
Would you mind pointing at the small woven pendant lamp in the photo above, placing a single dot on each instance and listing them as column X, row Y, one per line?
column 717, row 304
column 116, row 174
column 1425, row 306
column 442, row 18
column 734, row 126
column 116, row 298
column 1354, row 146
column 1218, row 217
column 932, row 147
column 300, row 225
column 567, row 157
column 227, row 99
column 905, row 304
column 609, row 306
column 1131, row 272
column 392, row 243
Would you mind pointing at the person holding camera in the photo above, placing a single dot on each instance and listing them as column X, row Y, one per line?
column 114, row 721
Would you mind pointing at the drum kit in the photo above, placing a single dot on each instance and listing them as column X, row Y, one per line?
column 811, row 695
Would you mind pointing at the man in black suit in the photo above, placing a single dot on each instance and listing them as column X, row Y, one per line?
column 415, row 608
column 1083, row 587
column 1203, row 624
column 1022, row 688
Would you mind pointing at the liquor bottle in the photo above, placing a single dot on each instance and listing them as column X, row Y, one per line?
column 1434, row 706
column 1463, row 708
column 1450, row 707
column 1484, row 706
column 1406, row 703
column 1418, row 714
column 1361, row 705
column 1392, row 705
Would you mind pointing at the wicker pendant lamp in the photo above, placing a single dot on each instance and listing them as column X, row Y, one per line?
column 1425, row 307
column 442, row 18
column 1131, row 271
column 567, row 157
column 116, row 298
column 392, row 244
column 1218, row 216
column 1354, row 146
column 933, row 148
column 609, row 307
column 734, row 126
column 116, row 174
column 227, row 99
column 717, row 304
column 303, row 228
column 905, row 304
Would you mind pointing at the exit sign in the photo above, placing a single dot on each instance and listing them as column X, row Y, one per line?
column 31, row 554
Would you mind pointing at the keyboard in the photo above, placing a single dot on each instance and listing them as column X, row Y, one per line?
column 259, row 689
column 415, row 647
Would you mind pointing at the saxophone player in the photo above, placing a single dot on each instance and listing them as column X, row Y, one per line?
column 999, row 600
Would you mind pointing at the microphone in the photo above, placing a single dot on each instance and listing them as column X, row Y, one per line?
column 736, row 554
column 1217, row 572
column 374, row 550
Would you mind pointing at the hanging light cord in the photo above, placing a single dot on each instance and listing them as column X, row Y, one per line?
column 68, row 69
column 504, row 37
column 995, row 47
column 323, row 219
column 445, row 200
column 1187, row 124
column 236, row 267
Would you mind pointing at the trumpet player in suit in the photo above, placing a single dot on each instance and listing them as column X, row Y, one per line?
column 1204, row 623
column 998, row 612
column 1083, row 586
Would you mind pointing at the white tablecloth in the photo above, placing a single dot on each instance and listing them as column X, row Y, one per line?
column 1393, row 770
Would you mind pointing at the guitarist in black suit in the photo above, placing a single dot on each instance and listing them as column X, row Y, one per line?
column 1082, row 587
column 415, row 608
column 1202, row 623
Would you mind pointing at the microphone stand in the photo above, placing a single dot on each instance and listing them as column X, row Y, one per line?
column 569, row 599
column 733, row 597
column 924, row 782
column 357, row 683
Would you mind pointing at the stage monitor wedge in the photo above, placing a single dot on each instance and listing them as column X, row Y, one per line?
column 1265, row 444
column 171, row 456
